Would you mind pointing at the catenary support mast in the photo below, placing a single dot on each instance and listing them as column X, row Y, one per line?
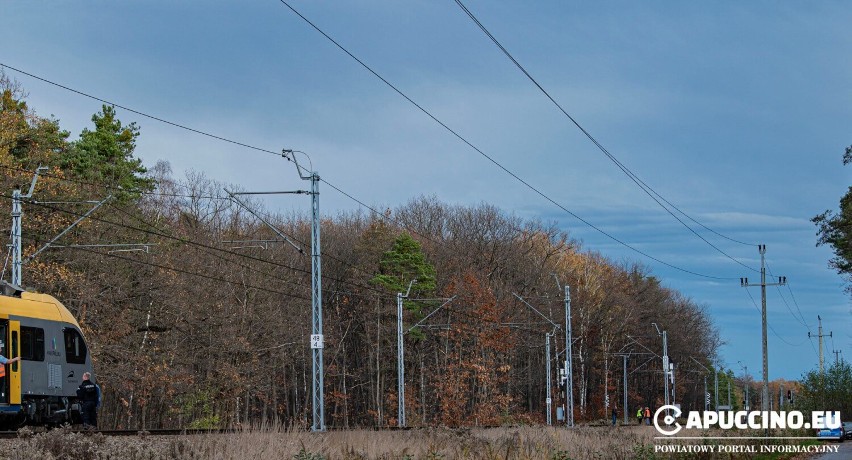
column 569, row 375
column 17, row 213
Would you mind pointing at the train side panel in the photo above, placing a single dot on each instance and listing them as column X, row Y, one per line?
column 55, row 356
column 41, row 388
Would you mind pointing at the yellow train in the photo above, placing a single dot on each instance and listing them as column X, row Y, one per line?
column 39, row 389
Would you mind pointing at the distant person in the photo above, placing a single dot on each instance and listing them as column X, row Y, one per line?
column 647, row 415
column 639, row 416
column 614, row 415
column 89, row 395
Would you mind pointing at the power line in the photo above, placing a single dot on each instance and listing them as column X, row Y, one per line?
column 770, row 326
column 113, row 189
column 190, row 242
column 794, row 302
column 191, row 273
column 162, row 233
column 630, row 174
column 326, row 277
column 212, row 248
column 518, row 178
column 489, row 158
column 152, row 117
column 223, row 198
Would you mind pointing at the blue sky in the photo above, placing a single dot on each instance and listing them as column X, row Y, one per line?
column 736, row 112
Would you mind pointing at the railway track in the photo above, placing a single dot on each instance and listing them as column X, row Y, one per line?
column 14, row 434
column 194, row 432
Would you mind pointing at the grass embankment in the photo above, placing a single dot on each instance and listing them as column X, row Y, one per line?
column 581, row 443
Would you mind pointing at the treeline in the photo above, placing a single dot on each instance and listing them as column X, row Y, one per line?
column 208, row 323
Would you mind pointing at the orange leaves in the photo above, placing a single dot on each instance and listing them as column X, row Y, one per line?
column 474, row 389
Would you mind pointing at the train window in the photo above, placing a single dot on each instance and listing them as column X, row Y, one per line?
column 32, row 343
column 75, row 348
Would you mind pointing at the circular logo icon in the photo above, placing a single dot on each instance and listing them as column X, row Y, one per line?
column 668, row 420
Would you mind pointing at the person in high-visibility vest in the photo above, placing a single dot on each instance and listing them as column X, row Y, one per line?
column 3, row 362
column 639, row 416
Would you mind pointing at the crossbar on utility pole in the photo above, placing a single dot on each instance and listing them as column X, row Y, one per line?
column 782, row 280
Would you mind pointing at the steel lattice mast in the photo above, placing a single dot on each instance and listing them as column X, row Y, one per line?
column 316, row 309
column 317, row 339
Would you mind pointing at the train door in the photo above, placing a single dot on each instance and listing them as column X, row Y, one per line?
column 10, row 347
column 14, row 369
column 4, row 350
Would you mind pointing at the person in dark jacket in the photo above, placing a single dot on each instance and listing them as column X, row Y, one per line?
column 89, row 396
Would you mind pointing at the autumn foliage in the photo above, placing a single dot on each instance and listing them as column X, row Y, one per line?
column 206, row 323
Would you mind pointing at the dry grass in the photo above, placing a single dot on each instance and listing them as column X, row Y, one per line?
column 581, row 443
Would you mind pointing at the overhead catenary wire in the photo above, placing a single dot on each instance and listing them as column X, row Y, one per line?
column 140, row 113
column 191, row 273
column 243, row 284
column 490, row 158
column 456, row 134
column 211, row 248
column 161, row 233
column 183, row 240
column 630, row 174
column 381, row 214
column 221, row 198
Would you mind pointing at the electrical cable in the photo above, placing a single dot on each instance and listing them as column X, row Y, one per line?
column 326, row 277
column 642, row 185
column 769, row 325
column 196, row 274
column 793, row 297
column 449, row 309
column 137, row 112
column 113, row 189
column 375, row 212
column 489, row 158
column 213, row 248
column 8, row 255
column 178, row 125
